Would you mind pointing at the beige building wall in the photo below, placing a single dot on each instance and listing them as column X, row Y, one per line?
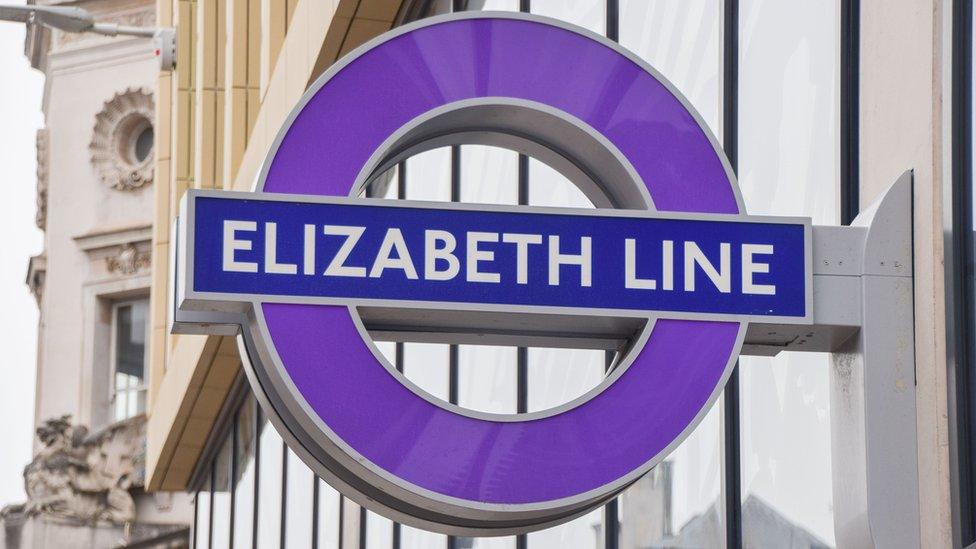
column 95, row 205
column 241, row 66
column 80, row 208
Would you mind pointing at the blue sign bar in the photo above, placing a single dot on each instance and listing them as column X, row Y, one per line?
column 272, row 246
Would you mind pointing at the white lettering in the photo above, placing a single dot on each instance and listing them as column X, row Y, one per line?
column 750, row 267
column 630, row 269
column 338, row 267
column 308, row 259
column 667, row 263
column 393, row 241
column 722, row 279
column 476, row 255
column 522, row 242
column 432, row 253
column 231, row 245
column 557, row 259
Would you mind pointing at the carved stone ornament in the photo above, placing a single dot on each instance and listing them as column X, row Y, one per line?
column 86, row 476
column 40, row 218
column 122, row 140
column 128, row 261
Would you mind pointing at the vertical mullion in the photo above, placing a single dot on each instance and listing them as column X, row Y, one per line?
column 342, row 518
column 284, row 493
column 962, row 396
column 611, row 511
column 453, row 367
column 362, row 527
column 452, row 375
column 399, row 355
column 730, row 142
column 315, row 511
column 522, row 375
column 850, row 66
column 257, row 473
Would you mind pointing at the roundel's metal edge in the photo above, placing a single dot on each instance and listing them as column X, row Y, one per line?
column 451, row 515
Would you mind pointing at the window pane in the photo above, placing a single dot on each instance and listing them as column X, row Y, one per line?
column 427, row 365
column 557, row 376
column 486, row 543
column 547, row 187
column 682, row 40
column 429, row 175
column 298, row 518
column 129, row 354
column 414, row 538
column 486, row 378
column 489, row 175
column 589, row 14
column 269, row 503
column 379, row 531
column 201, row 534
column 585, row 532
column 789, row 165
column 130, row 340
column 500, row 5
column 244, row 485
column 328, row 516
column 388, row 350
column 221, row 496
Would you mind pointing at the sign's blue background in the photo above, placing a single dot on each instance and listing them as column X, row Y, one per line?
column 608, row 289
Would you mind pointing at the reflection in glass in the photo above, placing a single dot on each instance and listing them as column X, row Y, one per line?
column 221, row 497
column 682, row 40
column 298, row 520
column 270, row 479
column 789, row 161
column 244, row 483
column 679, row 503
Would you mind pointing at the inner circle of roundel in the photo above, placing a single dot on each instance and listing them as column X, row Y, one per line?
column 619, row 431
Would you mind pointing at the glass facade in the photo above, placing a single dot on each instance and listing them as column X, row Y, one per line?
column 129, row 334
column 785, row 110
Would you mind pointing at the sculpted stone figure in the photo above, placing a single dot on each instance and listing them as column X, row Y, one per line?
column 86, row 476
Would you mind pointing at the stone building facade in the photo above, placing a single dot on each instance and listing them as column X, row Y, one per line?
column 95, row 172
